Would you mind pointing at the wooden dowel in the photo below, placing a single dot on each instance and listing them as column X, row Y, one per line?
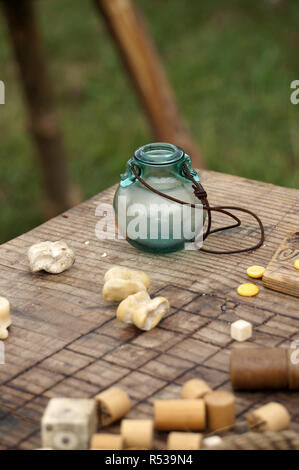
column 137, row 433
column 180, row 415
column 270, row 417
column 129, row 31
column 106, row 441
column 259, row 368
column 43, row 124
column 220, row 407
column 112, row 404
column 184, row 441
column 195, row 388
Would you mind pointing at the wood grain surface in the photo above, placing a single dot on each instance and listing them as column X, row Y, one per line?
column 65, row 340
column 281, row 274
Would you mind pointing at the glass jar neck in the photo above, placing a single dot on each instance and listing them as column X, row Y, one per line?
column 159, row 154
column 159, row 159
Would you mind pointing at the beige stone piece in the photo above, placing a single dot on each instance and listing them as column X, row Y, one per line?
column 116, row 290
column 127, row 274
column 142, row 311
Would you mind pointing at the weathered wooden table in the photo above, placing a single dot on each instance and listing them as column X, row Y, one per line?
column 65, row 340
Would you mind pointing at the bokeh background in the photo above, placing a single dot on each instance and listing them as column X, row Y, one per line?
column 230, row 63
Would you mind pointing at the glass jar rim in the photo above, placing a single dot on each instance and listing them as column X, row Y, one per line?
column 159, row 153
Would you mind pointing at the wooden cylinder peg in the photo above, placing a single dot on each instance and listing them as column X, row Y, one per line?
column 220, row 410
column 270, row 417
column 259, row 368
column 195, row 388
column 106, row 441
column 137, row 433
column 180, row 415
column 112, row 404
column 184, row 441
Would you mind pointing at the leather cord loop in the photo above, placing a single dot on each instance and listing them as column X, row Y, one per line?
column 201, row 194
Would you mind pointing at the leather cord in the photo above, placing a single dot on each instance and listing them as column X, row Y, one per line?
column 201, row 194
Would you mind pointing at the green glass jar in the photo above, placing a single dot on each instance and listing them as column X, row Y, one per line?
column 147, row 220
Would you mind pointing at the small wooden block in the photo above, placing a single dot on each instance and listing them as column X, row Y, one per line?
column 280, row 273
column 241, row 330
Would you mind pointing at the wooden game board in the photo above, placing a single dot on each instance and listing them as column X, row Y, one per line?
column 65, row 340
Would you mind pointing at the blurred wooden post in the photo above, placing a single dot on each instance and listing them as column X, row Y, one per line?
column 145, row 69
column 37, row 86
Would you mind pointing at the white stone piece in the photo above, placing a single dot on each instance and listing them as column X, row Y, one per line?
column 52, row 257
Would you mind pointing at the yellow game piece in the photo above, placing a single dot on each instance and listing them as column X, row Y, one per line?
column 296, row 264
column 255, row 271
column 247, row 289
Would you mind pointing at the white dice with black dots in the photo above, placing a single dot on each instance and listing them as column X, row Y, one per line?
column 69, row 423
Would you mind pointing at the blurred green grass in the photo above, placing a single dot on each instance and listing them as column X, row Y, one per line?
column 230, row 63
